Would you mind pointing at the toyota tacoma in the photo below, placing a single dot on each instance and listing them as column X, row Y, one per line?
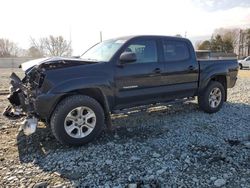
column 76, row 96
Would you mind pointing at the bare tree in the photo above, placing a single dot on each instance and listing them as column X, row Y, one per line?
column 37, row 48
column 52, row 46
column 248, row 40
column 8, row 48
column 34, row 52
column 22, row 52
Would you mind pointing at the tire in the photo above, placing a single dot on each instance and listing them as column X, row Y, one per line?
column 211, row 104
column 83, row 114
column 241, row 67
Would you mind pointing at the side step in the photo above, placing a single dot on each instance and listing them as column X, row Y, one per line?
column 143, row 108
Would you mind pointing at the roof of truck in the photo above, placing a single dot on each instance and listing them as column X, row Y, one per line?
column 149, row 36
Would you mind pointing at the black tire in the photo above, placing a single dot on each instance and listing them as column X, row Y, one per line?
column 241, row 67
column 64, row 108
column 203, row 98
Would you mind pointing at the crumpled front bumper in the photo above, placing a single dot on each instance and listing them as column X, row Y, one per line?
column 13, row 110
column 20, row 106
column 33, row 105
column 18, row 102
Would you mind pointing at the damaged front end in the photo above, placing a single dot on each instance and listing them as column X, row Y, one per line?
column 22, row 96
column 32, row 97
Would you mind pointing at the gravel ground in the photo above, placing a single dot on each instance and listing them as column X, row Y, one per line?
column 174, row 146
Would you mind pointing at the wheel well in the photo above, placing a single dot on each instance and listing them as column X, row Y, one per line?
column 91, row 92
column 223, row 81
column 95, row 94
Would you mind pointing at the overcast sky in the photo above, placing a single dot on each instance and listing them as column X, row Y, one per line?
column 84, row 19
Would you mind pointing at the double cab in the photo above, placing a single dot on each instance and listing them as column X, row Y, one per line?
column 76, row 96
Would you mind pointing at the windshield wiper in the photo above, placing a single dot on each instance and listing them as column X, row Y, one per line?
column 89, row 59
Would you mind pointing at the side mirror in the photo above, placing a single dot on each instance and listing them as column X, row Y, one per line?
column 128, row 57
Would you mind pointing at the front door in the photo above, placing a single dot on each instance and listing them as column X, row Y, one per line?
column 137, row 82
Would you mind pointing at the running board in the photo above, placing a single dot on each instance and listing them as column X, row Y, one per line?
column 144, row 108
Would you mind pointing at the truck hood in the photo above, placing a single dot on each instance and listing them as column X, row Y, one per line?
column 51, row 60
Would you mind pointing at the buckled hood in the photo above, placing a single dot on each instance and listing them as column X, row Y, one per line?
column 51, row 60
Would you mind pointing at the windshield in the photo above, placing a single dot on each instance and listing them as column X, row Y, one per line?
column 103, row 51
column 247, row 58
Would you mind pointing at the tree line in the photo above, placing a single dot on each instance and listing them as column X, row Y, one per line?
column 228, row 41
column 42, row 47
column 222, row 40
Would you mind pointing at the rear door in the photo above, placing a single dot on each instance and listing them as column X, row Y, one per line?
column 138, row 82
column 181, row 68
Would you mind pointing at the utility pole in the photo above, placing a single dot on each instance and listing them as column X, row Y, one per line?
column 100, row 36
column 70, row 40
column 240, row 43
column 70, row 34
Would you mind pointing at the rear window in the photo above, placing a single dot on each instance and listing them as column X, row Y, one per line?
column 175, row 51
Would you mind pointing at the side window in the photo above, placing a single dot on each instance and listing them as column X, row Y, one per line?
column 248, row 59
column 145, row 51
column 175, row 50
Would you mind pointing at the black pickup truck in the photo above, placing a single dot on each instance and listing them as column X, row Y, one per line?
column 76, row 96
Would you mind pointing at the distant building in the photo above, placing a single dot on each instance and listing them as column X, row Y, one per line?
column 242, row 49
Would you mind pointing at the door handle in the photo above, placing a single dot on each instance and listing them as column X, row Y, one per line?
column 191, row 68
column 157, row 70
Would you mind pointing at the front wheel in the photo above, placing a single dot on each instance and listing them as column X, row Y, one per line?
column 77, row 120
column 212, row 98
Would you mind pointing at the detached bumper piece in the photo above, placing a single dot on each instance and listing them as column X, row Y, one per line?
column 11, row 113
column 29, row 125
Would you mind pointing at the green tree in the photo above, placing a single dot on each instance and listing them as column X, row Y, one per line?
column 216, row 43
column 205, row 45
column 228, row 46
column 222, row 40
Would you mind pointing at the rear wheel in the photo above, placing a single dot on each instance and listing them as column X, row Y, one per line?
column 77, row 120
column 213, row 97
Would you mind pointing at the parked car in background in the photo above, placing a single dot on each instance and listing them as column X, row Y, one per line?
column 245, row 63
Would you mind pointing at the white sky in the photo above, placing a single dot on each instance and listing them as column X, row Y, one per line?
column 84, row 19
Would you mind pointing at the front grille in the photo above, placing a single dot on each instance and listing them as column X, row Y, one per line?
column 38, row 79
